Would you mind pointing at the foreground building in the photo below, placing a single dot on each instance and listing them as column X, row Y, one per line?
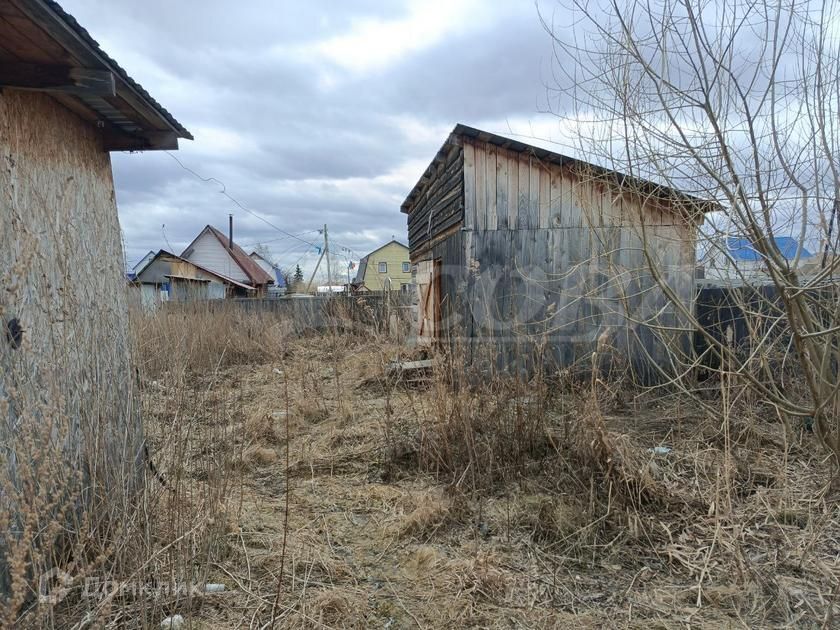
column 65, row 376
column 518, row 247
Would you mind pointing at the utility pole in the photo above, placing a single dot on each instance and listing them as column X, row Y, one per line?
column 327, row 251
column 312, row 277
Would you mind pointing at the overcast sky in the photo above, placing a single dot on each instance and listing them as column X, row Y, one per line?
column 312, row 112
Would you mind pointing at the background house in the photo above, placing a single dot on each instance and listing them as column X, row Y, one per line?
column 732, row 260
column 513, row 243
column 212, row 250
column 387, row 268
column 279, row 286
column 170, row 278
column 141, row 264
column 64, row 346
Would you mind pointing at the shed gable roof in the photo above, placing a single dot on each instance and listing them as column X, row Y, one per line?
column 175, row 258
column 460, row 132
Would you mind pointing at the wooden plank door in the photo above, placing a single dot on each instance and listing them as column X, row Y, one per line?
column 428, row 307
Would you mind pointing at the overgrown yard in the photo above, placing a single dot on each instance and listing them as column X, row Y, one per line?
column 433, row 505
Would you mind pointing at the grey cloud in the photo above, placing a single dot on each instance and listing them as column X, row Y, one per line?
column 470, row 78
column 229, row 75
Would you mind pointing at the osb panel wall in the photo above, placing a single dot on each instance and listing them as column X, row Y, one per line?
column 68, row 386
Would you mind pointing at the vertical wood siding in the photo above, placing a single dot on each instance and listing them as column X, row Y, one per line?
column 552, row 251
column 208, row 252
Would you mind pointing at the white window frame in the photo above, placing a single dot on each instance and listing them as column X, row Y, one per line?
column 406, row 267
column 383, row 267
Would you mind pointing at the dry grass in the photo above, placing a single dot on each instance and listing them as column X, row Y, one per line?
column 501, row 505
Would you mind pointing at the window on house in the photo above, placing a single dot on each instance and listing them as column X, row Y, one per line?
column 406, row 267
column 383, row 267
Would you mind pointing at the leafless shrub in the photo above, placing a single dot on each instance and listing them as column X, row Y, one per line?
column 736, row 106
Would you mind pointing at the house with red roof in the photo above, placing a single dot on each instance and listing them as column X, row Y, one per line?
column 214, row 251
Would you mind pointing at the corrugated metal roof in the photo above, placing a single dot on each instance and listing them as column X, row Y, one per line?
column 743, row 249
column 255, row 273
column 83, row 34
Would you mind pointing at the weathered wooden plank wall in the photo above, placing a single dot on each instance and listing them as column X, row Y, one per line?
column 453, row 280
column 568, row 257
column 441, row 206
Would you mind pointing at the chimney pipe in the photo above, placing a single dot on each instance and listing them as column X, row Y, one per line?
column 230, row 231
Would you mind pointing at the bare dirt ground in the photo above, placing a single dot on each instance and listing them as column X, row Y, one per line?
column 735, row 526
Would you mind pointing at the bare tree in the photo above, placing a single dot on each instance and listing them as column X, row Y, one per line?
column 737, row 104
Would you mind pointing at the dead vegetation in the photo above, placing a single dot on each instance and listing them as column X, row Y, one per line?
column 503, row 504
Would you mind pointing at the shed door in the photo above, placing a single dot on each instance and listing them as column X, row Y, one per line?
column 428, row 308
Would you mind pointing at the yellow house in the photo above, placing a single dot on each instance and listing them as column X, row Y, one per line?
column 385, row 269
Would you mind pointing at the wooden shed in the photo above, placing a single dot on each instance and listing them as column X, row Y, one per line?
column 66, row 381
column 515, row 247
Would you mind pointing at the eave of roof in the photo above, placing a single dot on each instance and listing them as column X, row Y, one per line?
column 132, row 113
column 116, row 68
column 178, row 277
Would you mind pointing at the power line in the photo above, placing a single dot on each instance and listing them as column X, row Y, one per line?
column 349, row 249
column 261, row 218
column 297, row 262
column 166, row 240
column 231, row 198
column 296, row 246
column 275, row 240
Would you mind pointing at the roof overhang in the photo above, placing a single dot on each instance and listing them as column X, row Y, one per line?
column 43, row 48
column 185, row 278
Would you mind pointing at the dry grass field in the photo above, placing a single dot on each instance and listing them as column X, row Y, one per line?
column 325, row 493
